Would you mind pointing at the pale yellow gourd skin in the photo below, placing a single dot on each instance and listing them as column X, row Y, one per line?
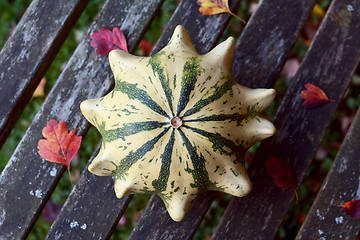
column 146, row 154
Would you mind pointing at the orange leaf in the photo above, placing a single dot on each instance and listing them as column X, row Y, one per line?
column 352, row 208
column 313, row 96
column 40, row 90
column 318, row 11
column 212, row 7
column 282, row 174
column 60, row 146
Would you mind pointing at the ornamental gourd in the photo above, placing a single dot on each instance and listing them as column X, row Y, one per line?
column 177, row 124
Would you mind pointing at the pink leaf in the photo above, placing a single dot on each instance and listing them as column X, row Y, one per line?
column 105, row 41
column 313, row 96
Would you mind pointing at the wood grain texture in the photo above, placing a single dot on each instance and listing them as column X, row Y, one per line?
column 27, row 181
column 268, row 38
column 29, row 52
column 204, row 32
column 326, row 220
column 91, row 211
column 155, row 222
column 329, row 64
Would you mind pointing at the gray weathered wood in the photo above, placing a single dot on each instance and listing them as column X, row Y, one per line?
column 91, row 211
column 300, row 130
column 29, row 52
column 326, row 220
column 155, row 222
column 267, row 40
column 27, row 181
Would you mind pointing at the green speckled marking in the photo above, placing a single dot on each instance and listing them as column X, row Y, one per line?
column 161, row 183
column 199, row 173
column 219, row 142
column 121, row 170
column 218, row 93
column 158, row 70
column 133, row 92
column 191, row 71
column 130, row 129
column 221, row 117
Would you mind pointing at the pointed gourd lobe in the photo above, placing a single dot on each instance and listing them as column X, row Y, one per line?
column 222, row 54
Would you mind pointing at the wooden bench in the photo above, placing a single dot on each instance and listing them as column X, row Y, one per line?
column 92, row 211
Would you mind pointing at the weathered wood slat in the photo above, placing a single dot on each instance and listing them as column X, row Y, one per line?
column 265, row 43
column 29, row 52
column 28, row 179
column 204, row 33
column 326, row 220
column 186, row 229
column 329, row 64
column 91, row 211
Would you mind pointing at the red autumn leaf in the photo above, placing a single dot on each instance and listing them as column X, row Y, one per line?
column 282, row 174
column 212, row 7
column 105, row 41
column 146, row 46
column 313, row 96
column 60, row 146
column 352, row 208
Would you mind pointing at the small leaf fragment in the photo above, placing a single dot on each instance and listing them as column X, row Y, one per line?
column 318, row 11
column 313, row 96
column 105, row 41
column 40, row 89
column 213, row 7
column 282, row 174
column 352, row 208
column 60, row 146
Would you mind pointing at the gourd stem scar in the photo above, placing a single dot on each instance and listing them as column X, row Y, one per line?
column 176, row 122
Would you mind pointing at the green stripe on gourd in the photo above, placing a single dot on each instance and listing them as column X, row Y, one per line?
column 177, row 124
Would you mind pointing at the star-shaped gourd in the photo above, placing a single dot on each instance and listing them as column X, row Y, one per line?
column 177, row 124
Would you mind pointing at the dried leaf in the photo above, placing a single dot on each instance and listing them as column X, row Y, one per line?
column 60, row 146
column 352, row 208
column 40, row 90
column 212, row 7
column 318, row 11
column 105, row 41
column 313, row 96
column 282, row 174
